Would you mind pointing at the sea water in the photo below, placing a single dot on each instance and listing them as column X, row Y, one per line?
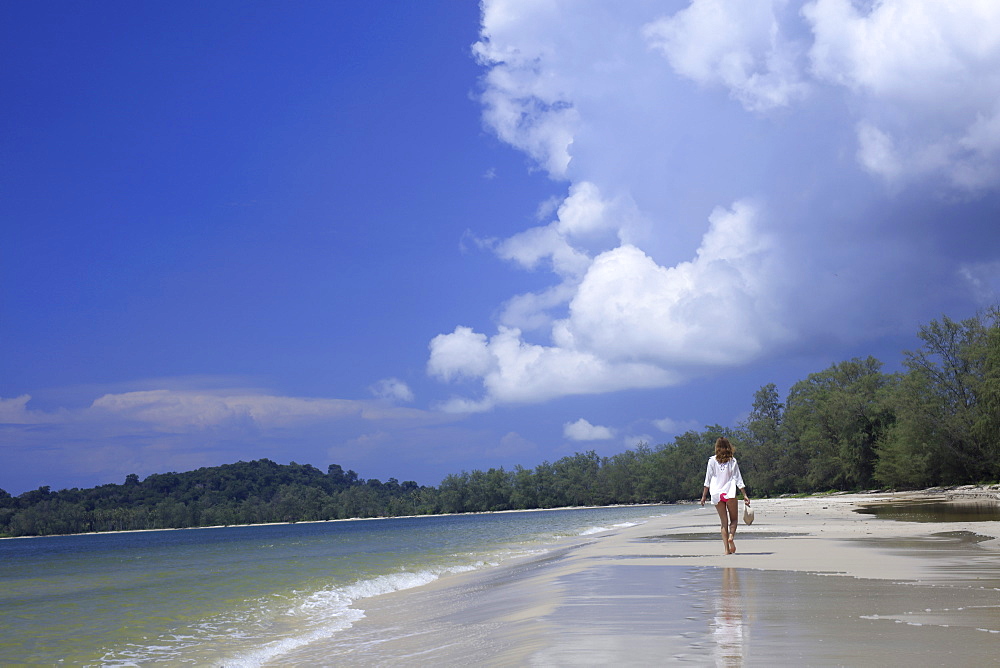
column 957, row 510
column 242, row 596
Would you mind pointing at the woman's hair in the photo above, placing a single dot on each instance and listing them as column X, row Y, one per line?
column 723, row 450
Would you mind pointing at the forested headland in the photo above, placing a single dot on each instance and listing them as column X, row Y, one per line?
column 847, row 427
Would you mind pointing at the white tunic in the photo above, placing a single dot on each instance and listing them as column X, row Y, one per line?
column 723, row 479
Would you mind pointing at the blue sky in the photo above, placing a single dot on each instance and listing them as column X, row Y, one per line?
column 414, row 238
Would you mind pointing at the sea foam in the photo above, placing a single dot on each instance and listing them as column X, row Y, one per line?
column 623, row 525
column 324, row 613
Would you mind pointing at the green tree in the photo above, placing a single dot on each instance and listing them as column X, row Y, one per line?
column 452, row 493
column 494, row 489
column 524, row 492
column 833, row 420
column 986, row 423
column 765, row 447
column 578, row 476
column 946, row 426
column 620, row 474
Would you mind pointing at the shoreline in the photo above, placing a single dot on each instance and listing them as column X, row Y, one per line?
column 813, row 582
column 342, row 519
column 984, row 492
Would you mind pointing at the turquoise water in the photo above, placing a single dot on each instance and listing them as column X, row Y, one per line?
column 240, row 596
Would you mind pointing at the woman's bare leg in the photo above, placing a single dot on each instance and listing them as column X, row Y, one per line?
column 732, row 505
column 724, row 519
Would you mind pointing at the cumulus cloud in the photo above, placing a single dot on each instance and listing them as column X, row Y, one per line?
column 463, row 353
column 582, row 430
column 926, row 75
column 923, row 76
column 632, row 323
column 521, row 372
column 697, row 232
column 586, row 223
column 739, row 45
column 713, row 309
column 909, row 50
column 583, row 219
column 532, row 113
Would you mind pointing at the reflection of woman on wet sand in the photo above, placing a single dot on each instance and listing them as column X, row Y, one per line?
column 727, row 627
column 721, row 481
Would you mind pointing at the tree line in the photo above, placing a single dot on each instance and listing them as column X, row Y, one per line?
column 848, row 427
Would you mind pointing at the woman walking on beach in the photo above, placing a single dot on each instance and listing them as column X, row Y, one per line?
column 722, row 479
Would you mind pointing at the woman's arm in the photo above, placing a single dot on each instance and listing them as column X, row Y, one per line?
column 708, row 479
column 740, row 484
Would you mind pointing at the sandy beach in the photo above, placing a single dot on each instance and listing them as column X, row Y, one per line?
column 813, row 583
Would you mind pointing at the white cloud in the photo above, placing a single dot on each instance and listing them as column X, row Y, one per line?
column 585, row 221
column 392, row 389
column 582, row 430
column 922, row 75
column 463, row 353
column 173, row 429
column 671, row 427
column 533, row 310
column 926, row 75
column 530, row 247
column 631, row 323
column 16, row 411
column 172, row 410
column 529, row 112
column 615, row 318
column 146, row 431
column 631, row 441
column 522, row 372
column 983, row 280
column 186, row 411
column 877, row 153
column 912, row 50
column 739, row 45
column 713, row 309
column 584, row 213
column 643, row 294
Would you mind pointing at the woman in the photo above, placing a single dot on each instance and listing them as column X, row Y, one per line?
column 721, row 481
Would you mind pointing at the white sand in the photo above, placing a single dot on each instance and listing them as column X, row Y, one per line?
column 823, row 534
column 813, row 583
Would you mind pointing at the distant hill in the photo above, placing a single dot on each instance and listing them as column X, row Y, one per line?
column 242, row 493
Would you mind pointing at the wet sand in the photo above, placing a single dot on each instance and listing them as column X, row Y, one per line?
column 813, row 583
